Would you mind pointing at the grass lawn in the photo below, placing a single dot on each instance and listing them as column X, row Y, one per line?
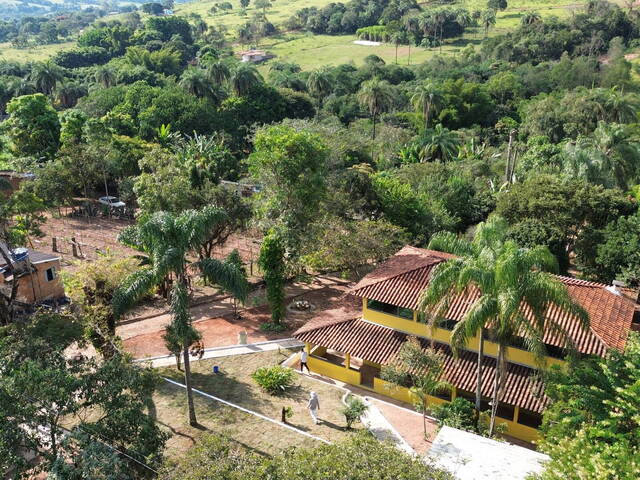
column 37, row 53
column 235, row 385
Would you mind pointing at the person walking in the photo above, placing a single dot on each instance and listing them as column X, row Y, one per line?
column 304, row 356
column 314, row 406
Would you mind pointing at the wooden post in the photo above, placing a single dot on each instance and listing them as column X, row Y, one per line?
column 284, row 415
column 74, row 247
column 54, row 244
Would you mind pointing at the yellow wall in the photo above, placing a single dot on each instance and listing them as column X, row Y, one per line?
column 352, row 377
column 317, row 365
column 514, row 355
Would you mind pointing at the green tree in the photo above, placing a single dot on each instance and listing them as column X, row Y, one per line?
column 168, row 239
column 218, row 72
column 216, row 458
column 271, row 262
column 572, row 207
column 235, row 259
column 91, row 286
column 497, row 4
column 244, row 79
column 196, row 82
column 611, row 156
column 377, row 97
column 615, row 252
column 33, row 127
column 419, row 369
column 319, row 84
column 488, row 19
column 591, row 429
column 43, row 392
column 427, row 99
column 290, row 166
column 105, row 76
column 507, row 277
column 440, row 144
column 45, row 76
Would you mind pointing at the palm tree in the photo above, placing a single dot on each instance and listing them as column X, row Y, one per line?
column 244, row 79
column 440, row 143
column 45, row 76
column 69, row 93
column 319, row 84
column 218, row 73
column 105, row 75
column 506, row 278
column 427, row 99
column 530, row 18
column 488, row 19
column 168, row 239
column 376, row 96
column 195, row 81
column 613, row 151
column 621, row 108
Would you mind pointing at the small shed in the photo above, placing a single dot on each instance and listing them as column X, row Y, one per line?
column 254, row 56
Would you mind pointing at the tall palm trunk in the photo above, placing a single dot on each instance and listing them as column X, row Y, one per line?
column 479, row 373
column 187, row 381
column 497, row 387
column 374, row 127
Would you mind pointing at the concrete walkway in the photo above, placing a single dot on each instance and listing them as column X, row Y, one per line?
column 170, row 360
column 380, row 427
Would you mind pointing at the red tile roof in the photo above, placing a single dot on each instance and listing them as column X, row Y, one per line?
column 379, row 344
column 401, row 279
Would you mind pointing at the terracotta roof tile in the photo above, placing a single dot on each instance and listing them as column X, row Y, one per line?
column 402, row 278
column 379, row 344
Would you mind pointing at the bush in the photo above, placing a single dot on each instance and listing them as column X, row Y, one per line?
column 353, row 410
column 273, row 327
column 460, row 413
column 275, row 379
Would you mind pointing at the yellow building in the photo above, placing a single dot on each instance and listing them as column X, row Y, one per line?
column 352, row 345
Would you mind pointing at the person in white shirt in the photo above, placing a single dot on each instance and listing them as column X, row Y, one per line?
column 314, row 406
column 304, row 356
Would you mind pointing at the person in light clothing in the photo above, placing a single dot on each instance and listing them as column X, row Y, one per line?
column 314, row 406
column 304, row 356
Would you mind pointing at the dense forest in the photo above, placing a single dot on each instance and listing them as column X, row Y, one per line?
column 349, row 162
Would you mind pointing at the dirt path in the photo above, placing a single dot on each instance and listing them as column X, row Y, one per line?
column 214, row 320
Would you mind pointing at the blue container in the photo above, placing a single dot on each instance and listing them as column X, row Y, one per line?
column 216, row 369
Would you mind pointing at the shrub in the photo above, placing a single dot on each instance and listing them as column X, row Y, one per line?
column 353, row 410
column 273, row 327
column 275, row 379
column 460, row 413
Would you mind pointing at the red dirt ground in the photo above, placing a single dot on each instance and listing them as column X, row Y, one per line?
column 223, row 330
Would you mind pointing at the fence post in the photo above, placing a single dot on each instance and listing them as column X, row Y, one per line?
column 54, row 244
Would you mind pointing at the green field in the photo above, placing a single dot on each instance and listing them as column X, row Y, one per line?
column 31, row 54
column 310, row 51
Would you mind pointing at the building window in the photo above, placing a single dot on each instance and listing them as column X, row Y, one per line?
column 443, row 394
column 504, row 411
column 529, row 418
column 50, row 274
column 390, row 309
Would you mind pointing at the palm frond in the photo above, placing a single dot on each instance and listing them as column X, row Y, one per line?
column 225, row 274
column 134, row 287
column 451, row 243
column 196, row 225
column 481, row 312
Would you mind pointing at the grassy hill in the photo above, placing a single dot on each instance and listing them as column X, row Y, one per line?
column 311, row 50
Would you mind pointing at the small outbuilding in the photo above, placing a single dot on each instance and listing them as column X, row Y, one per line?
column 37, row 274
column 254, row 56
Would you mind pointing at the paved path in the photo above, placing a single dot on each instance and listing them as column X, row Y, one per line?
column 380, row 427
column 170, row 360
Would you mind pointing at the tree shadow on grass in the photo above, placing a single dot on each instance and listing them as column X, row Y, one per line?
column 297, row 393
column 225, row 387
